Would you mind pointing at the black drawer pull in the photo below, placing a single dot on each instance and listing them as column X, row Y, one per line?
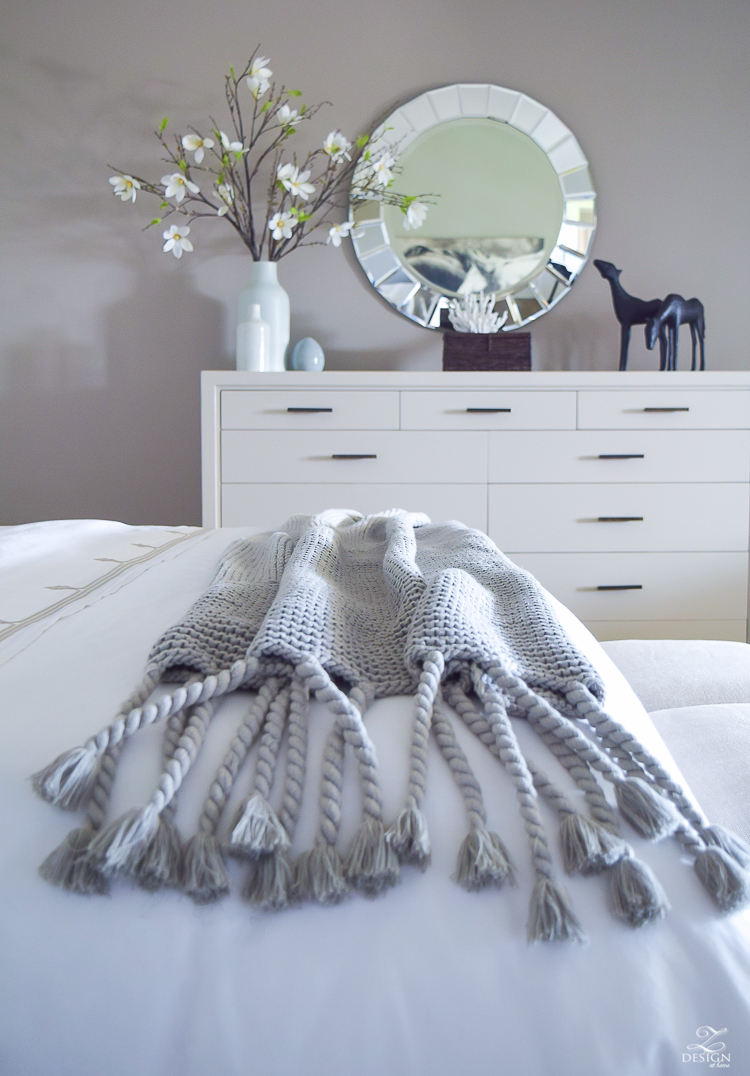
column 622, row 586
column 619, row 519
column 354, row 456
column 487, row 410
column 308, row 410
column 622, row 456
column 654, row 410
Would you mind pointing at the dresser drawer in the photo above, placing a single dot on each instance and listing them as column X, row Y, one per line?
column 664, row 409
column 266, row 505
column 620, row 456
column 253, row 456
column 673, row 586
column 316, row 409
column 625, row 517
column 488, row 410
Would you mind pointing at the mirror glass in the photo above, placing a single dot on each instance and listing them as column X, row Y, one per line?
column 512, row 208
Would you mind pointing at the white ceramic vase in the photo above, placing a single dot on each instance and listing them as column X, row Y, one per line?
column 265, row 290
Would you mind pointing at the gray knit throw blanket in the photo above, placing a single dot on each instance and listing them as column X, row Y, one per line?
column 348, row 609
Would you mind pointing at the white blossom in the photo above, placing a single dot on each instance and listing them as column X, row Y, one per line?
column 125, row 187
column 226, row 193
column 176, row 239
column 281, row 225
column 176, row 185
column 287, row 116
column 382, row 170
column 258, row 79
column 339, row 232
column 295, row 181
column 415, row 215
column 298, row 186
column 235, row 147
column 193, row 143
column 337, row 146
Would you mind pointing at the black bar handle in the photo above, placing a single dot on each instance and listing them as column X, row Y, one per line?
column 354, row 456
column 622, row 456
column 654, row 410
column 487, row 410
column 619, row 519
column 308, row 410
column 623, row 586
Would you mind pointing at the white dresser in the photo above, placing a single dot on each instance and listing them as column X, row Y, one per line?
column 626, row 494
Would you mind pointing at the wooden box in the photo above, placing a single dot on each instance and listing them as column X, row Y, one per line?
column 487, row 351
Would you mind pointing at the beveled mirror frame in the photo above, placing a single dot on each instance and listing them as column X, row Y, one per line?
column 392, row 278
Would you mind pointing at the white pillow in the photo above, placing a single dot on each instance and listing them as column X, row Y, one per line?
column 665, row 673
column 711, row 745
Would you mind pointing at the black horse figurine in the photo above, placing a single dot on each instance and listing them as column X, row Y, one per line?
column 629, row 311
column 673, row 312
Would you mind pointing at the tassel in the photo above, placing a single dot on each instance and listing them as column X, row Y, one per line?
column 371, row 864
column 586, row 847
column 269, row 881
column 256, row 831
column 319, row 876
column 648, row 812
column 729, row 842
column 637, row 898
column 483, row 862
column 551, row 917
column 118, row 848
column 67, row 781
column 204, row 874
column 409, row 838
column 69, row 868
column 161, row 863
column 723, row 879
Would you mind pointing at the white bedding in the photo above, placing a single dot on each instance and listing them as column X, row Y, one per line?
column 427, row 980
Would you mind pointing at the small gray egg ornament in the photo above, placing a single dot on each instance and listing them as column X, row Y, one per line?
column 307, row 354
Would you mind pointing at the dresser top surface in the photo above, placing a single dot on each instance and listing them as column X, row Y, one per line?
column 543, row 379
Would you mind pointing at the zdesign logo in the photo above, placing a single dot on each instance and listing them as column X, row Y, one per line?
column 709, row 1051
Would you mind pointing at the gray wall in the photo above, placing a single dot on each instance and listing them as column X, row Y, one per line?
column 102, row 336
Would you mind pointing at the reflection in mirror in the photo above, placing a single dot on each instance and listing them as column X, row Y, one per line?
column 512, row 212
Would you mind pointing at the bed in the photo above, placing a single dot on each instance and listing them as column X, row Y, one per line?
column 428, row 979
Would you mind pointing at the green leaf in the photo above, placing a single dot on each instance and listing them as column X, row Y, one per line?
column 367, row 155
column 182, row 165
column 303, row 110
column 231, row 71
column 362, row 141
column 294, row 93
column 163, row 124
column 303, row 217
column 156, row 220
column 163, row 205
column 225, row 160
column 265, row 107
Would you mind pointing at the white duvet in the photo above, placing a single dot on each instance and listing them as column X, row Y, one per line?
column 426, row 980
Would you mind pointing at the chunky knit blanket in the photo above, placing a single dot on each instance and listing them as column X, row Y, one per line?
column 347, row 609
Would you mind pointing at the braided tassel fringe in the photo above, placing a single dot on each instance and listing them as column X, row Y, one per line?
column 257, row 830
column 635, row 895
column 483, row 862
column 723, row 878
column 648, row 812
column 70, row 868
column 551, row 916
column 160, row 865
column 319, row 876
column 729, row 842
column 371, row 865
column 408, row 837
column 67, row 782
column 586, row 847
column 269, row 881
column 204, row 873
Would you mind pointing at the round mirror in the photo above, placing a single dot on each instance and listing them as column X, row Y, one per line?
column 512, row 209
